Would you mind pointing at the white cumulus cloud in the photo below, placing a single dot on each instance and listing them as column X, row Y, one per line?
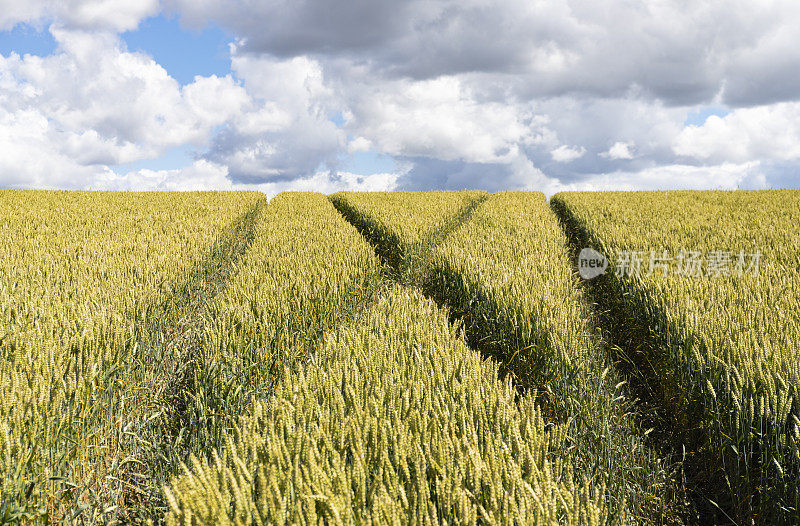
column 619, row 150
column 284, row 132
column 762, row 132
column 438, row 118
column 565, row 154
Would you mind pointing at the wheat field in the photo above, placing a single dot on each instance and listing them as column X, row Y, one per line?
column 399, row 357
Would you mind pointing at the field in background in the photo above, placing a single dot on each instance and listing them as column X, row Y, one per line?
column 407, row 357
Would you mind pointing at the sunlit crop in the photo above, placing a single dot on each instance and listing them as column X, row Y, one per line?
column 306, row 270
column 724, row 340
column 394, row 421
column 403, row 225
column 81, row 275
column 409, row 357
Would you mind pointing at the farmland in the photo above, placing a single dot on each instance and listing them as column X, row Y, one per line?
column 85, row 277
column 721, row 336
column 403, row 357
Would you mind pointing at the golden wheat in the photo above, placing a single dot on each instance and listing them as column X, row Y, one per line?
column 395, row 421
column 401, row 225
column 727, row 334
column 306, row 270
column 506, row 273
column 80, row 275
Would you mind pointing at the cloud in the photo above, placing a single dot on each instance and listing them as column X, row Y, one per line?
column 28, row 159
column 200, row 175
column 763, row 132
column 681, row 53
column 726, row 176
column 438, row 118
column 92, row 104
column 766, row 71
column 359, row 144
column 113, row 15
column 510, row 94
column 565, row 154
column 119, row 15
column 13, row 12
column 284, row 133
column 206, row 175
column 619, row 150
column 521, row 174
column 104, row 105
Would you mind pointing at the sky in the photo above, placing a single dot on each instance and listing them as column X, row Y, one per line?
column 328, row 95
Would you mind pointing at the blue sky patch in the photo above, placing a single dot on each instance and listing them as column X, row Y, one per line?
column 25, row 39
column 172, row 159
column 367, row 163
column 698, row 117
column 337, row 118
column 183, row 52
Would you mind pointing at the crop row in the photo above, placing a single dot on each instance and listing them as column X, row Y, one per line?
column 314, row 390
column 395, row 421
column 82, row 276
column 402, row 225
column 305, row 271
column 392, row 419
column 505, row 272
column 708, row 285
